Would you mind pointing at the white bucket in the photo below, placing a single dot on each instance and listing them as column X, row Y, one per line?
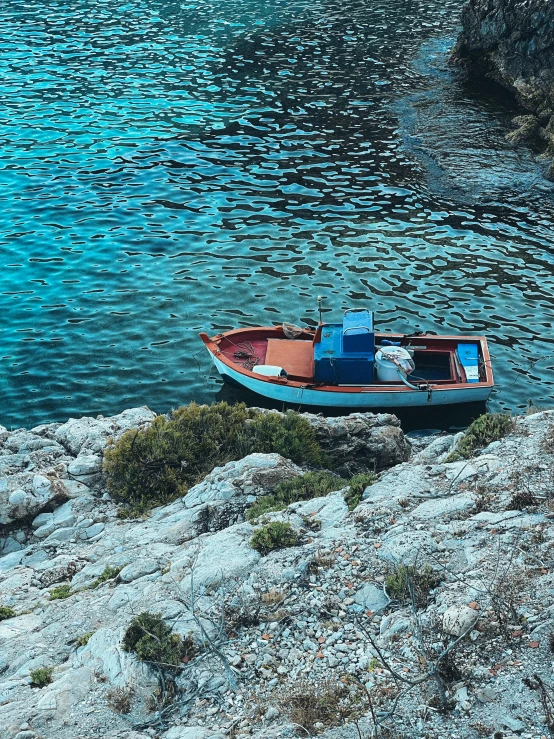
column 387, row 371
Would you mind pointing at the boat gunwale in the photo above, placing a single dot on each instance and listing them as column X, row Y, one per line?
column 212, row 344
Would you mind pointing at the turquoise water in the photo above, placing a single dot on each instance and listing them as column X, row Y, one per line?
column 172, row 167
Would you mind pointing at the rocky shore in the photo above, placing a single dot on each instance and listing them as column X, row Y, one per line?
column 512, row 43
column 424, row 610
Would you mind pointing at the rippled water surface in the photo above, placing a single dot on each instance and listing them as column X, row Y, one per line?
column 171, row 167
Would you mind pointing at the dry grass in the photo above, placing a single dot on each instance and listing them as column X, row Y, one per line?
column 323, row 560
column 326, row 702
column 506, row 593
column 273, row 597
column 120, row 699
column 483, row 499
column 522, row 500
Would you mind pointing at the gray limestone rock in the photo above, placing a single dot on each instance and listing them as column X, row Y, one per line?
column 406, row 481
column 371, row 598
column 58, row 535
column 137, row 569
column 85, row 467
column 299, row 611
column 90, row 434
column 512, row 42
column 220, row 557
column 23, row 495
column 401, row 545
column 62, row 517
column 437, row 451
column 440, row 507
column 254, row 475
column 360, row 442
column 458, row 620
column 190, row 732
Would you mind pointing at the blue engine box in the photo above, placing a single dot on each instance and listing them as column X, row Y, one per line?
column 357, row 331
column 332, row 365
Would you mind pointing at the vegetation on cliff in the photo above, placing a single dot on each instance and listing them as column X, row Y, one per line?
column 158, row 464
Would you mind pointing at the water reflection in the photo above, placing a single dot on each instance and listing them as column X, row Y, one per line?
column 175, row 167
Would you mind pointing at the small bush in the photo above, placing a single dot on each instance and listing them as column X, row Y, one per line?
column 109, row 573
column 506, row 595
column 6, row 612
column 152, row 640
column 41, row 677
column 407, row 579
column 356, row 490
column 61, row 592
column 154, row 466
column 287, row 434
column 483, row 498
column 304, row 487
column 244, row 613
column 321, row 561
column 120, row 699
column 483, row 431
column 275, row 535
column 82, row 641
column 330, row 703
column 522, row 500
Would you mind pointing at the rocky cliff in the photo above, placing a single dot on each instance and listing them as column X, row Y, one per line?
column 422, row 609
column 512, row 42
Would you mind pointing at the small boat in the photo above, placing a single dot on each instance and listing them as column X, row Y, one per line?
column 348, row 365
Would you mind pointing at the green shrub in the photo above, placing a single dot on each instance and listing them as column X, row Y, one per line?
column 60, row 592
column 109, row 573
column 6, row 612
column 83, row 640
column 275, row 535
column 154, row 466
column 41, row 677
column 356, row 489
column 304, row 487
column 287, row 434
column 408, row 580
column 483, row 431
column 152, row 640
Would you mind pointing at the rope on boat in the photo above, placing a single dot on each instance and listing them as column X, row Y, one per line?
column 246, row 351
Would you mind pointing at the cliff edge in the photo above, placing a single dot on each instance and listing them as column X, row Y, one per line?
column 420, row 607
column 512, row 43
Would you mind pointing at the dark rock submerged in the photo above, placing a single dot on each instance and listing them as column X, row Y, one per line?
column 512, row 43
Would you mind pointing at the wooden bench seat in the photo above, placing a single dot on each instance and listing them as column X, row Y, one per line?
column 295, row 357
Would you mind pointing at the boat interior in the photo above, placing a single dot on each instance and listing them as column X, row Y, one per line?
column 351, row 354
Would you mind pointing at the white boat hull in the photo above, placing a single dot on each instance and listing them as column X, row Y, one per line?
column 396, row 397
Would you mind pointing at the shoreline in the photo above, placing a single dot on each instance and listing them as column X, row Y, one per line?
column 511, row 43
